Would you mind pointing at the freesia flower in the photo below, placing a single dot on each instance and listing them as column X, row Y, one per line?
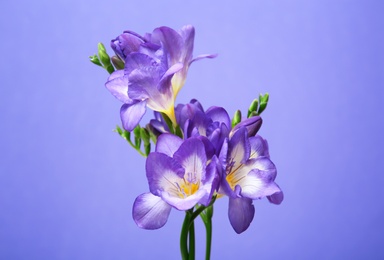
column 156, row 67
column 249, row 175
column 180, row 175
column 214, row 124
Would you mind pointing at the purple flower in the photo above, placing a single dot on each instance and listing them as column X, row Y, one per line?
column 211, row 126
column 249, row 175
column 156, row 67
column 180, row 176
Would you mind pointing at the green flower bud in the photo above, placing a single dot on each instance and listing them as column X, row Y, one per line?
column 236, row 118
column 263, row 102
column 95, row 60
column 253, row 107
column 104, row 57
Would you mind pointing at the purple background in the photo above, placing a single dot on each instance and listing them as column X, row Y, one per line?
column 67, row 182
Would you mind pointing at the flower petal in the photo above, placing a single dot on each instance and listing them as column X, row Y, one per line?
column 165, row 82
column 259, row 181
column 184, row 203
column 163, row 174
column 168, row 144
column 276, row 198
column 150, row 211
column 171, row 41
column 131, row 114
column 203, row 56
column 192, row 157
column 240, row 212
column 117, row 84
column 239, row 148
column 211, row 181
column 219, row 114
column 259, row 147
column 126, row 43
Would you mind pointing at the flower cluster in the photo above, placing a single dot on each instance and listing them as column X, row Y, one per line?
column 212, row 158
column 200, row 155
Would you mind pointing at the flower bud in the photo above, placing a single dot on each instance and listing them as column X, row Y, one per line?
column 117, row 62
column 252, row 125
column 253, row 107
column 95, row 60
column 236, row 118
column 263, row 102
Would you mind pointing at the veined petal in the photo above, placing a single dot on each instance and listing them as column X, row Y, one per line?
column 240, row 212
column 163, row 174
column 259, row 147
column 239, row 148
column 117, row 84
column 150, row 211
column 186, row 202
column 188, row 35
column 192, row 157
column 171, row 41
column 165, row 82
column 131, row 114
column 259, row 181
column 168, row 144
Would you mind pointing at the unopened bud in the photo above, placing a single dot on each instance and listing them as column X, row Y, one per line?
column 117, row 62
column 236, row 118
column 253, row 107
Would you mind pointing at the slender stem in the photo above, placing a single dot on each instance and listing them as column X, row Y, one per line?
column 208, row 229
column 184, row 236
column 192, row 240
column 206, row 216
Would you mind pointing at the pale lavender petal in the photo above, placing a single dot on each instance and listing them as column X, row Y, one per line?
column 188, row 35
column 191, row 155
column 168, row 144
column 131, row 114
column 165, row 82
column 163, row 174
column 240, row 212
column 150, row 211
column 117, row 84
column 183, row 203
column 239, row 148
column 259, row 181
column 203, row 56
column 259, row 147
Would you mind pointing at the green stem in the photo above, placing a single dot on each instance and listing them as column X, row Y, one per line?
column 192, row 240
column 207, row 219
column 184, row 237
